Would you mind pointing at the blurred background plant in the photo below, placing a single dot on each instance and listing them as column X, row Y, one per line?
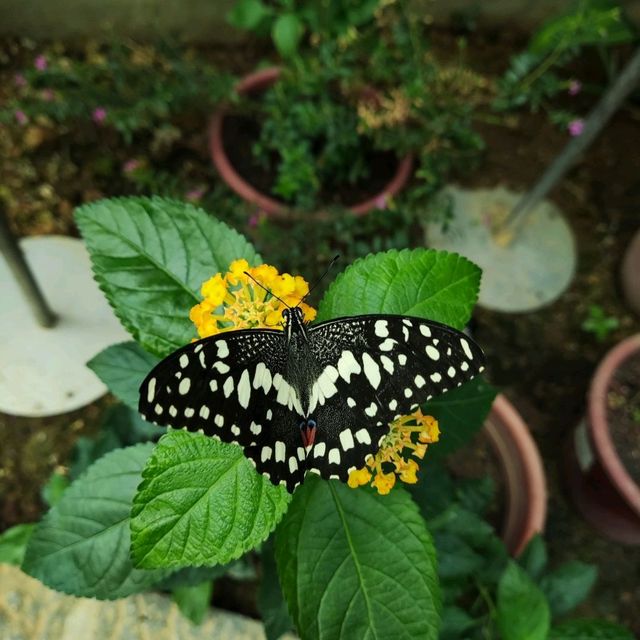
column 358, row 90
column 127, row 86
column 542, row 72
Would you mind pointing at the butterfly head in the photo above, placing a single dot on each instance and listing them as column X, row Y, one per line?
column 293, row 319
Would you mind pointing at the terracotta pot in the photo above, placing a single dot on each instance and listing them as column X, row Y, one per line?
column 523, row 473
column 255, row 83
column 597, row 481
column 630, row 273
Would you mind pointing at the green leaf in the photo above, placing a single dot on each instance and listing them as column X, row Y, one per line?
column 434, row 491
column 354, row 564
column 54, row 488
column 123, row 367
column 13, row 543
column 460, row 413
column 201, row 503
column 568, row 586
column 248, row 14
column 192, row 577
column 194, row 601
column 455, row 623
column 534, row 558
column 271, row 602
column 121, row 427
column 425, row 283
column 81, row 546
column 286, row 33
column 523, row 612
column 150, row 257
column 590, row 630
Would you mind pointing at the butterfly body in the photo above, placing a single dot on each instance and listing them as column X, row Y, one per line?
column 316, row 398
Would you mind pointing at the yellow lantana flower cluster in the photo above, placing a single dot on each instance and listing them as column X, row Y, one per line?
column 234, row 301
column 413, row 432
column 388, row 111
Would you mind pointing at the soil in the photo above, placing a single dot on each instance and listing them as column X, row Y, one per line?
column 542, row 361
column 623, row 401
column 240, row 133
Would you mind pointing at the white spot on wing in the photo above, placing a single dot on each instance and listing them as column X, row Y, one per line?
column 334, row 456
column 227, row 387
column 293, row 464
column 184, row 386
column 255, row 428
column 387, row 363
column 281, row 451
column 223, row 348
column 219, row 420
column 351, row 402
column 213, row 385
column 319, row 450
column 363, row 436
column 346, row 439
column 221, row 367
column 381, row 328
column 371, row 370
column 184, row 360
column 451, row 372
column 387, row 345
column 151, row 389
column 204, row 411
column 419, row 381
column 265, row 455
column 371, row 410
column 348, row 365
column 244, row 389
column 464, row 366
column 435, row 377
column 433, row 353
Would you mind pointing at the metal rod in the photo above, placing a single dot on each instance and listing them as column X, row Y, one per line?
column 599, row 116
column 18, row 265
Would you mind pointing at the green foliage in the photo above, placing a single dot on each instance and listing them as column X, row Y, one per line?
column 590, row 630
column 271, row 602
column 599, row 323
column 81, row 546
column 133, row 88
column 486, row 594
column 55, row 487
column 330, row 19
column 13, row 543
column 200, row 503
column 540, row 73
column 193, row 601
column 463, row 411
column 360, row 93
column 122, row 367
column 523, row 612
column 150, row 256
column 426, row 283
column 331, row 548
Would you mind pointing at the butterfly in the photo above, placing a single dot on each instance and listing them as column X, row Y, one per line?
column 308, row 398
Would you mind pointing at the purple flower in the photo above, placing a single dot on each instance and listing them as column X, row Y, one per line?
column 575, row 87
column 256, row 218
column 381, row 201
column 20, row 80
column 131, row 165
column 99, row 115
column 21, row 117
column 576, row 127
column 40, row 63
column 195, row 195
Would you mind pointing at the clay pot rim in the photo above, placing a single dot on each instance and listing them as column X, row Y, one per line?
column 523, row 473
column 275, row 208
column 598, row 423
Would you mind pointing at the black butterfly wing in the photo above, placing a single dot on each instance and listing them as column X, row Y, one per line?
column 232, row 386
column 381, row 367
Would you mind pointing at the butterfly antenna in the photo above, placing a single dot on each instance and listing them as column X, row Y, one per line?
column 320, row 279
column 246, row 273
